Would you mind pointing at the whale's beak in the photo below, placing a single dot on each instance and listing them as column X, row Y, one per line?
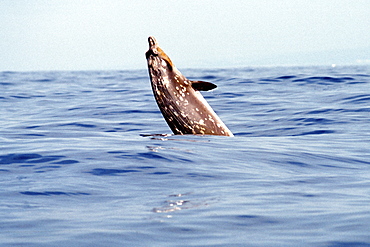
column 153, row 45
column 152, row 42
column 156, row 51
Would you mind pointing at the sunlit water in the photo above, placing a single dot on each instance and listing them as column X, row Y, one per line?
column 82, row 164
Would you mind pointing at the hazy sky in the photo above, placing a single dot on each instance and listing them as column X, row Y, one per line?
column 89, row 34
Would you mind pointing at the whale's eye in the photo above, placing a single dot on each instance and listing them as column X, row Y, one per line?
column 165, row 63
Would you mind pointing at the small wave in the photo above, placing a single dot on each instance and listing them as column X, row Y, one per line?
column 39, row 135
column 18, row 158
column 110, row 172
column 183, row 203
column 348, row 244
column 198, row 175
column 21, row 97
column 6, row 83
column 209, row 77
column 356, row 82
column 80, row 125
column 66, row 162
column 286, row 77
column 141, row 156
column 160, row 173
column 129, row 112
column 52, row 193
column 324, row 80
column 268, row 80
column 319, row 111
column 358, row 99
column 315, row 132
column 152, row 155
column 43, row 80
column 33, row 158
column 312, row 121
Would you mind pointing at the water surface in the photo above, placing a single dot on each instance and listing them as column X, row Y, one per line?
column 81, row 163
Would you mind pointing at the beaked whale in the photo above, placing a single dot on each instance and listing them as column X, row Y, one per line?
column 182, row 105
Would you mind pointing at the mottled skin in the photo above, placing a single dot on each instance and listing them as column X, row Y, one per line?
column 182, row 105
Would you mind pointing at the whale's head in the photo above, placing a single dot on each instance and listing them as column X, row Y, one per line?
column 156, row 57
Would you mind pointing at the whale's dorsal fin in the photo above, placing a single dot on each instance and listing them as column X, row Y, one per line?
column 202, row 85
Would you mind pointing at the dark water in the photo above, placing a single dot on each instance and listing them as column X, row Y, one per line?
column 79, row 166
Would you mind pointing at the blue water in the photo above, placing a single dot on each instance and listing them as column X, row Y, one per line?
column 82, row 164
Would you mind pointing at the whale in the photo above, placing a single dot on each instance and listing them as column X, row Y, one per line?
column 179, row 99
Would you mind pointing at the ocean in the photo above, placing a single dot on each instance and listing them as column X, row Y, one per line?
column 86, row 159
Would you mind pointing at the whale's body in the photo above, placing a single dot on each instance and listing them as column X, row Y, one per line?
column 182, row 105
